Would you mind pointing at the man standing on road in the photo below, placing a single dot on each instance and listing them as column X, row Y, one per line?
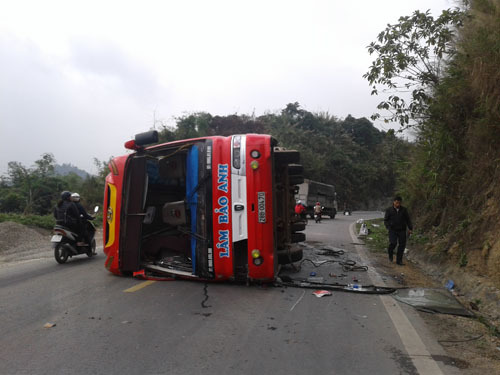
column 396, row 220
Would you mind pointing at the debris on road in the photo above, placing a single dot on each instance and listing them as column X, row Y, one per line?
column 449, row 285
column 364, row 231
column 367, row 289
column 322, row 293
column 432, row 300
column 316, row 279
column 49, row 325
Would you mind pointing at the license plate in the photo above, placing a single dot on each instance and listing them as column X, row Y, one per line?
column 261, row 206
column 56, row 238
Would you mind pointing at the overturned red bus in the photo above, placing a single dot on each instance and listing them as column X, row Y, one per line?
column 213, row 208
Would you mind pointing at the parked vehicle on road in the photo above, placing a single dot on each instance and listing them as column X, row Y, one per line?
column 213, row 208
column 311, row 192
column 67, row 243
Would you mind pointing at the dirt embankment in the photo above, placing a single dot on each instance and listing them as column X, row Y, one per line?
column 469, row 344
column 19, row 242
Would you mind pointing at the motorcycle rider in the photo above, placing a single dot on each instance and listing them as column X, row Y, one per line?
column 317, row 211
column 66, row 212
column 84, row 216
column 300, row 210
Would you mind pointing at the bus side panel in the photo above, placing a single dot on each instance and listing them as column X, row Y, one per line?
column 260, row 229
column 221, row 203
column 112, row 212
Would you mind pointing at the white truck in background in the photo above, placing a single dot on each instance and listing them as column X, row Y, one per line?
column 311, row 192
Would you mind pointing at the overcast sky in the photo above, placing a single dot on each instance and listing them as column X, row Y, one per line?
column 79, row 78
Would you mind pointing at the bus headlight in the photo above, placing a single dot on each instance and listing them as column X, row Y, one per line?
column 255, row 154
column 237, row 152
column 255, row 253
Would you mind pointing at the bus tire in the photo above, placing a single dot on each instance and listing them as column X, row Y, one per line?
column 299, row 226
column 298, row 237
column 286, row 156
column 295, row 179
column 289, row 256
column 295, row 169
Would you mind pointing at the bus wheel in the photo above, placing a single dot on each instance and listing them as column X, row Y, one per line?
column 289, row 256
column 294, row 169
column 286, row 156
column 295, row 179
column 298, row 226
column 298, row 237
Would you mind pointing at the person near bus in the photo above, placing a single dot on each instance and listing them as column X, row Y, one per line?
column 84, row 216
column 397, row 220
column 66, row 213
column 300, row 210
column 317, row 211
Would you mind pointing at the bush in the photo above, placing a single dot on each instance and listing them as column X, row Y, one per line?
column 377, row 239
column 46, row 221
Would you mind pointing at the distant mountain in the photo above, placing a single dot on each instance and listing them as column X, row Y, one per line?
column 65, row 169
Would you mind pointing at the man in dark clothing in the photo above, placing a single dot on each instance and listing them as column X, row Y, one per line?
column 66, row 213
column 396, row 220
column 84, row 216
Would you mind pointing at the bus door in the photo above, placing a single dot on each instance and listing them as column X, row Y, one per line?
column 134, row 195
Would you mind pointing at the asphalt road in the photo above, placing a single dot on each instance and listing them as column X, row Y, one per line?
column 102, row 326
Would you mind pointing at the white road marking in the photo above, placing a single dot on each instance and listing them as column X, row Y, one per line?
column 296, row 303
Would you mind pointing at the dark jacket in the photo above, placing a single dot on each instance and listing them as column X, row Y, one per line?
column 397, row 220
column 82, row 211
column 66, row 213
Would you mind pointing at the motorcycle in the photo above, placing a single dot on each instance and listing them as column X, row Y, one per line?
column 66, row 242
column 317, row 216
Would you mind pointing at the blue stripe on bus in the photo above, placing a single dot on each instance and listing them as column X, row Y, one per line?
column 192, row 203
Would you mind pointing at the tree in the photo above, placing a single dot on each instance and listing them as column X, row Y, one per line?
column 409, row 58
column 37, row 185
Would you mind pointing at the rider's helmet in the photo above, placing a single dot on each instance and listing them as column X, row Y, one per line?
column 299, row 202
column 317, row 203
column 75, row 197
column 65, row 195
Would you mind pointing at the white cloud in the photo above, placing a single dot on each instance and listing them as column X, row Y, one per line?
column 79, row 78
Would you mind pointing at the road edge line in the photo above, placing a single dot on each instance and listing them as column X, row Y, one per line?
column 414, row 346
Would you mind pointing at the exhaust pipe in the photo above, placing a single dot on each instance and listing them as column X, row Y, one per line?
column 72, row 250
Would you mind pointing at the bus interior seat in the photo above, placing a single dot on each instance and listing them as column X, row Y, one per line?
column 174, row 213
column 173, row 167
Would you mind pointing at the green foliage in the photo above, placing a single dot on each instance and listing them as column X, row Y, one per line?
column 455, row 166
column 409, row 58
column 463, row 259
column 35, row 190
column 453, row 183
column 494, row 330
column 46, row 221
column 377, row 240
column 351, row 154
